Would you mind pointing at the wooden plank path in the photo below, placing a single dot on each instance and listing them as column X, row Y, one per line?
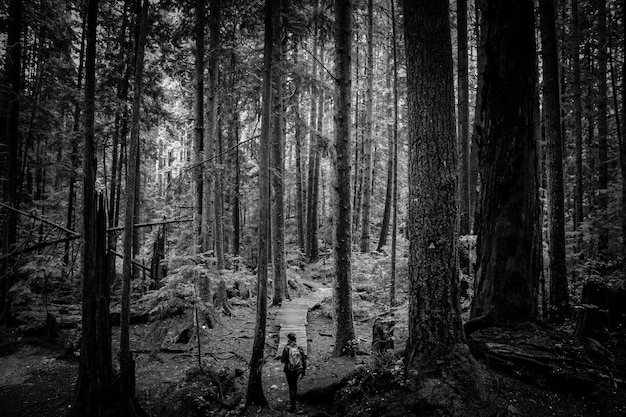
column 292, row 316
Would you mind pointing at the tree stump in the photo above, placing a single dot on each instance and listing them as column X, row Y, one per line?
column 382, row 335
column 603, row 309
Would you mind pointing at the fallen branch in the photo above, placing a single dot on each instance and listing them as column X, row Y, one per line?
column 38, row 246
column 114, row 229
column 23, row 213
column 134, row 262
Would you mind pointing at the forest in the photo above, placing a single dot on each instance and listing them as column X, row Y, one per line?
column 429, row 195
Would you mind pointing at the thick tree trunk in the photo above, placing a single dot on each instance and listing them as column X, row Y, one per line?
column 435, row 329
column 367, row 141
column 559, row 297
column 578, row 114
column 277, row 163
column 344, row 324
column 509, row 234
column 463, row 122
column 255, row 394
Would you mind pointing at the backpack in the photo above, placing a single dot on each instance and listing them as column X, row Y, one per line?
column 295, row 358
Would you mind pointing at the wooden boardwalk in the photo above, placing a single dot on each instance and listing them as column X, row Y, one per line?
column 292, row 316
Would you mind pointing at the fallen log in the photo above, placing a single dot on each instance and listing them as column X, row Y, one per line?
column 543, row 356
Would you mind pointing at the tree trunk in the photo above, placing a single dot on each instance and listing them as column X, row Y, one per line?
column 435, row 327
column 299, row 138
column 236, row 200
column 71, row 195
column 313, row 177
column 394, row 224
column 93, row 386
column 127, row 368
column 367, row 141
column 255, row 394
column 214, row 134
column 578, row 112
column 477, row 128
column 277, row 162
column 559, row 298
column 603, row 131
column 509, row 234
column 343, row 319
column 9, row 138
column 199, row 125
column 623, row 144
column 463, row 123
column 384, row 227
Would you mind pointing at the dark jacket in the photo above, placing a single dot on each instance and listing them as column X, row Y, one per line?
column 285, row 357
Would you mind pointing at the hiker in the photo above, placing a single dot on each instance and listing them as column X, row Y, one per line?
column 295, row 365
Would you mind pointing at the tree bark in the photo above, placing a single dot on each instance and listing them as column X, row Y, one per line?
column 277, row 162
column 344, row 324
column 313, row 177
column 299, row 138
column 255, row 394
column 603, row 131
column 93, row 386
column 199, row 124
column 463, row 122
column 394, row 223
column 214, row 134
column 367, row 140
column 559, row 296
column 578, row 114
column 127, row 369
column 435, row 329
column 509, row 234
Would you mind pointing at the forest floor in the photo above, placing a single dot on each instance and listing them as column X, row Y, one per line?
column 36, row 379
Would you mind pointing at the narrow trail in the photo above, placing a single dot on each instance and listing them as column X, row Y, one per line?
column 292, row 317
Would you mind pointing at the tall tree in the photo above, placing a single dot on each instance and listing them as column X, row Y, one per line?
column 559, row 298
column 312, row 247
column 277, row 162
column 435, row 329
column 212, row 140
column 299, row 138
column 95, row 372
column 603, row 131
column 394, row 221
column 509, row 234
column 9, row 131
column 463, row 111
column 255, row 394
column 344, row 323
column 367, row 140
column 578, row 115
column 199, row 123
column 623, row 140
column 127, row 369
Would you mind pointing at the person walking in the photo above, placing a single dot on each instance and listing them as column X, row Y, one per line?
column 294, row 359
